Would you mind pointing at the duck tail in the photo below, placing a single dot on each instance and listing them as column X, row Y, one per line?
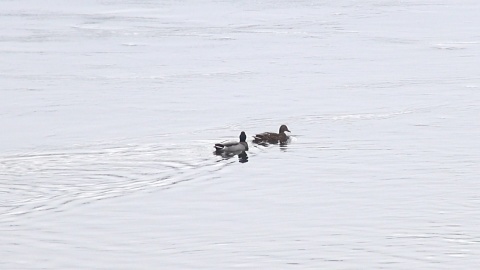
column 258, row 137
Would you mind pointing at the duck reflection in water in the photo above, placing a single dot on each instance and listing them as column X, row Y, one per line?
column 242, row 155
column 283, row 147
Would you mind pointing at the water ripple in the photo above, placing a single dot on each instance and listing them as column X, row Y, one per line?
column 54, row 181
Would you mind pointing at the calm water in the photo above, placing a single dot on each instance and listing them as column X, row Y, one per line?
column 109, row 111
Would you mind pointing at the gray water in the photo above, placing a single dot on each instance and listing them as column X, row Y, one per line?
column 109, row 111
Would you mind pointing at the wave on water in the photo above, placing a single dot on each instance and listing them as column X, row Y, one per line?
column 57, row 180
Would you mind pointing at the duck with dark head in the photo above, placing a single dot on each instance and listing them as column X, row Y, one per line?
column 233, row 147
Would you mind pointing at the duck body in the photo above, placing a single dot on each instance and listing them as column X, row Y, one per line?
column 233, row 147
column 272, row 137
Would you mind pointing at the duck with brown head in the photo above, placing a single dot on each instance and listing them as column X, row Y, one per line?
column 272, row 137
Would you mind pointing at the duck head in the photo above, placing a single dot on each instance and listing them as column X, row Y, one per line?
column 282, row 129
column 243, row 137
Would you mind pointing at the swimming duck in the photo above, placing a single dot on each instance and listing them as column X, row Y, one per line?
column 231, row 147
column 271, row 137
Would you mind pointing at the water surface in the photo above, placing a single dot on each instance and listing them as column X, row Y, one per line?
column 110, row 109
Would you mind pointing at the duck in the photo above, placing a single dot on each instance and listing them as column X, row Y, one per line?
column 232, row 147
column 272, row 137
